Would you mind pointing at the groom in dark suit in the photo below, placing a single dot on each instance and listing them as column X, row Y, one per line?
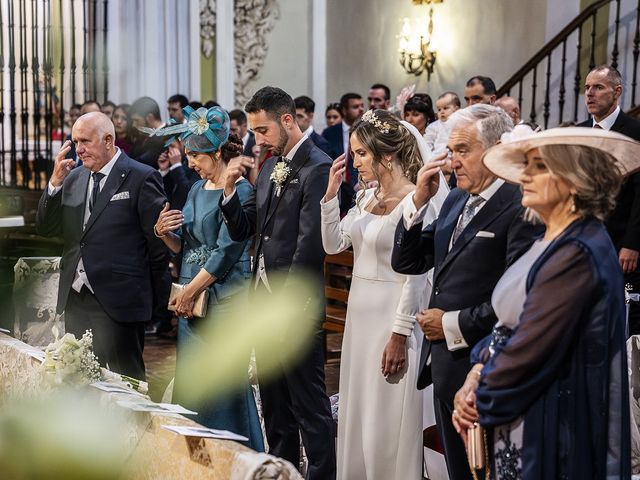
column 480, row 231
column 286, row 221
column 603, row 88
column 113, row 267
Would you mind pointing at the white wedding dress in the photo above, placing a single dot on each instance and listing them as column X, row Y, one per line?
column 379, row 419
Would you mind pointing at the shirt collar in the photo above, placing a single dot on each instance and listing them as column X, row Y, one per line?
column 309, row 131
column 345, row 127
column 607, row 122
column 292, row 153
column 488, row 192
column 245, row 139
column 107, row 168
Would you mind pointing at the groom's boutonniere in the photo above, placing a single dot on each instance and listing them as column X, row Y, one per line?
column 279, row 175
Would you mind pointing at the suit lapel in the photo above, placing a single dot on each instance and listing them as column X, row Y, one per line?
column 492, row 209
column 299, row 160
column 114, row 180
column 79, row 194
column 446, row 228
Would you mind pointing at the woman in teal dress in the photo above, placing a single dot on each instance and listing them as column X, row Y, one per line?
column 211, row 260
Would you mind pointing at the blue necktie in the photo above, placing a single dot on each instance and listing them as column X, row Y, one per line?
column 97, row 176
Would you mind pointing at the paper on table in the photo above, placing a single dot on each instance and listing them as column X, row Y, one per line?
column 155, row 407
column 204, row 432
column 112, row 388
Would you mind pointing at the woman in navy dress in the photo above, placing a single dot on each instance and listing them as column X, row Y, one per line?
column 211, row 260
column 550, row 382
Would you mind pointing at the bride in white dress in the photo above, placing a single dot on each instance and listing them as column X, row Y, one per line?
column 380, row 411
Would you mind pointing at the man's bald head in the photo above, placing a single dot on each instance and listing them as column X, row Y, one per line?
column 93, row 135
column 511, row 106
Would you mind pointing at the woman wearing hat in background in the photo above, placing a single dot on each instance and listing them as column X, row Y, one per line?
column 211, row 260
column 551, row 379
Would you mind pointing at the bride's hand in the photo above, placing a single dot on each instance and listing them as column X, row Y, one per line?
column 394, row 356
column 335, row 177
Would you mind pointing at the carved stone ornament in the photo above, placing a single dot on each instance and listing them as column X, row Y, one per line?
column 207, row 26
column 254, row 19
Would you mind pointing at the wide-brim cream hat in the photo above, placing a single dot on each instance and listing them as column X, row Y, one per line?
column 506, row 160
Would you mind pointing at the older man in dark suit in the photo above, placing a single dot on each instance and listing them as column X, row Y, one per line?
column 480, row 231
column 285, row 217
column 113, row 267
column 603, row 88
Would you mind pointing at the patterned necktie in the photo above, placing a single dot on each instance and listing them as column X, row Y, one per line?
column 97, row 176
column 467, row 214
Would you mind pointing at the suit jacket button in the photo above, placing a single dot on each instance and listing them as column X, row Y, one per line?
column 266, row 238
column 82, row 245
column 436, row 291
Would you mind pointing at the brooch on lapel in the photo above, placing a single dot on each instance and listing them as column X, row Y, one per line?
column 279, row 175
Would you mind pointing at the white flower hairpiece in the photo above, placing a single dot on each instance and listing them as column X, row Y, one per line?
column 372, row 118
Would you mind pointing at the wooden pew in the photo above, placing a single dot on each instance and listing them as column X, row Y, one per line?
column 337, row 277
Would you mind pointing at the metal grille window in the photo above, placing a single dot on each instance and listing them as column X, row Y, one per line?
column 52, row 55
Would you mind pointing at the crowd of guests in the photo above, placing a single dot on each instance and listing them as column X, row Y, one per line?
column 490, row 261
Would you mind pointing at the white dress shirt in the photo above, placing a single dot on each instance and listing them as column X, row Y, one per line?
column 607, row 122
column 345, row 136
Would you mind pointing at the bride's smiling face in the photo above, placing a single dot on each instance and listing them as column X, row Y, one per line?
column 363, row 161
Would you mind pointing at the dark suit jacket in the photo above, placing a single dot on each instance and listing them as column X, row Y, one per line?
column 333, row 136
column 623, row 223
column 287, row 227
column 321, row 143
column 125, row 263
column 177, row 183
column 147, row 150
column 464, row 277
column 250, row 143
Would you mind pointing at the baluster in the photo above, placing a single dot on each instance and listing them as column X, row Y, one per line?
column 62, row 65
column 105, row 60
column 562, row 87
column 35, row 69
column 72, row 67
column 592, row 58
column 547, row 101
column 534, row 87
column 94, row 37
column 48, row 75
column 614, row 52
column 636, row 54
column 3, row 167
column 12, row 92
column 24, row 93
column 85, row 34
column 577, row 79
column 520, row 94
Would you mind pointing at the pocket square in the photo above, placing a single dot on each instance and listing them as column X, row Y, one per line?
column 484, row 234
column 295, row 180
column 120, row 196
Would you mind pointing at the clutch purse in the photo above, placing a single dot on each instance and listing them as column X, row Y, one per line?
column 199, row 306
column 477, row 452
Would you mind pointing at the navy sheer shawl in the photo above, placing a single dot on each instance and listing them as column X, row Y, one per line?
column 564, row 369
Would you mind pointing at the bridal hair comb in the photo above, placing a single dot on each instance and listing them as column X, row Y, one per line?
column 370, row 117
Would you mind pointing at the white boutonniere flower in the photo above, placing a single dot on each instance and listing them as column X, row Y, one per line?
column 279, row 175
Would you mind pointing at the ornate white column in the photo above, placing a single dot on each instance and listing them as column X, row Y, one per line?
column 225, row 62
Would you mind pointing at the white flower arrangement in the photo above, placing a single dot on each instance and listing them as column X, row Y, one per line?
column 71, row 361
column 279, row 175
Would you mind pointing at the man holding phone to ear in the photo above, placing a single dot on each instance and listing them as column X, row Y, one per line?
column 113, row 268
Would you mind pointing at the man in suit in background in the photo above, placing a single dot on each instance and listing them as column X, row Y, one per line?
column 603, row 88
column 352, row 108
column 175, row 104
column 112, row 264
column 480, row 89
column 379, row 97
column 286, row 221
column 305, row 108
column 145, row 112
column 239, row 127
column 480, row 231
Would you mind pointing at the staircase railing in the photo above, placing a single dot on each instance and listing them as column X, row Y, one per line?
column 541, row 66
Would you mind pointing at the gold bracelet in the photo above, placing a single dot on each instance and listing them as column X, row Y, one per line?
column 155, row 232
